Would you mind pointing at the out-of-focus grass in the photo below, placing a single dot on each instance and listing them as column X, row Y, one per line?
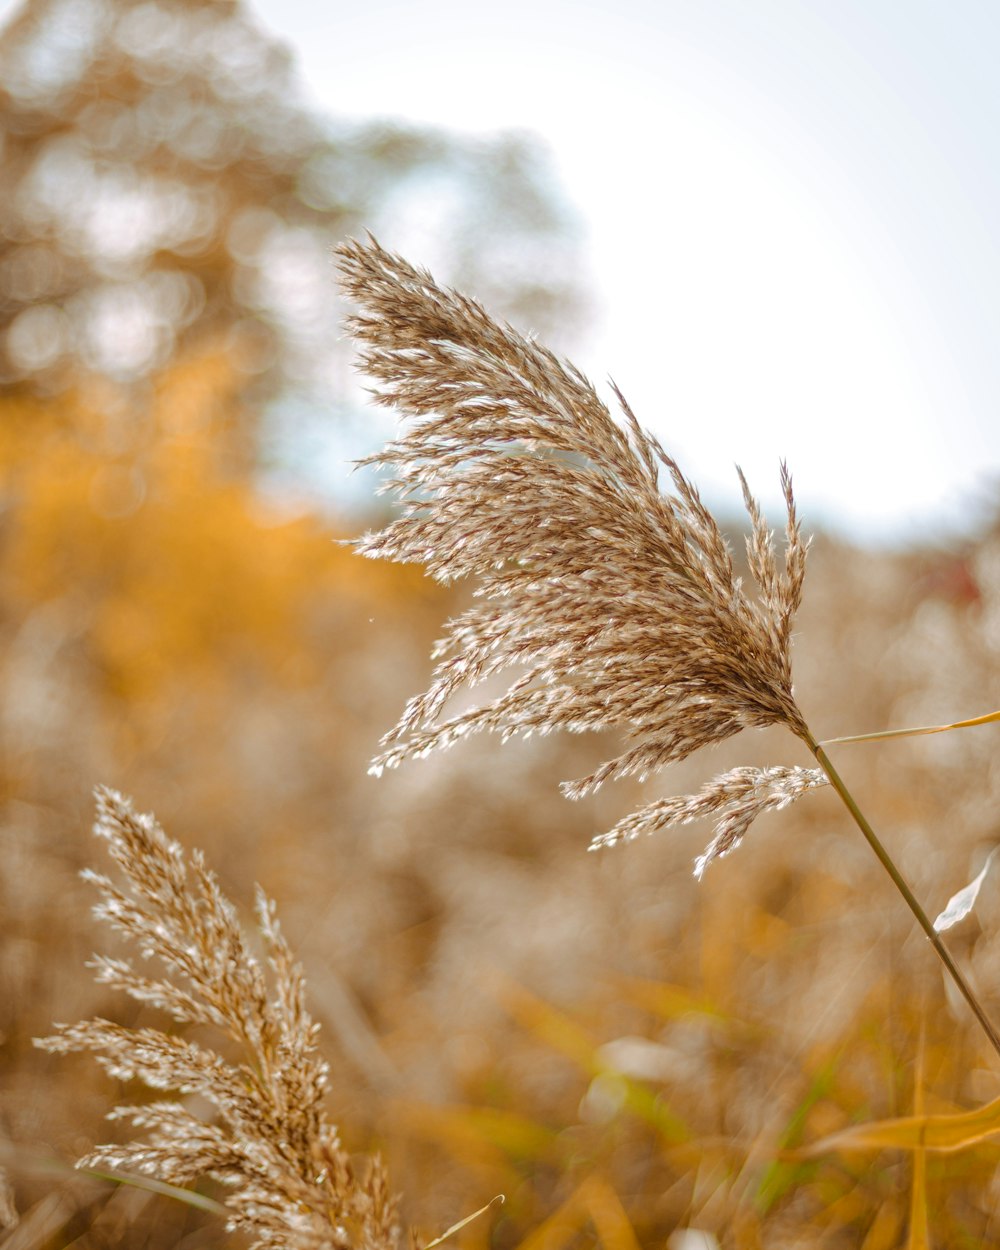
column 622, row 1052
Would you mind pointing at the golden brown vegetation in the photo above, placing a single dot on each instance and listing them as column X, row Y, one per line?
column 624, row 1053
column 286, row 1177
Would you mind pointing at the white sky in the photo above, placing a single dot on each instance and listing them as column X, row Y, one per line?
column 791, row 209
column 792, row 212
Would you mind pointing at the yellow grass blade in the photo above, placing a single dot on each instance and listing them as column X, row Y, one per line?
column 552, row 1027
column 593, row 1200
column 944, row 1132
column 989, row 718
column 462, row 1223
column 607, row 1215
column 919, row 1236
column 560, row 1227
column 883, row 1233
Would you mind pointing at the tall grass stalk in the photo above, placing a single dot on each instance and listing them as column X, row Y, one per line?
column 611, row 602
column 885, row 859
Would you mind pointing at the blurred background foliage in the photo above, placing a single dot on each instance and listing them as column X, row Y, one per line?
column 624, row 1054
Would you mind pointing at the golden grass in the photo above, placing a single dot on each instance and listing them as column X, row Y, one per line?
column 626, row 1055
column 616, row 603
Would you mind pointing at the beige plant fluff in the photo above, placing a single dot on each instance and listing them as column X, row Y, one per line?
column 8, row 1211
column 289, row 1183
column 613, row 603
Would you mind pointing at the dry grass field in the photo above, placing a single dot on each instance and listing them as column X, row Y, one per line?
column 630, row 1056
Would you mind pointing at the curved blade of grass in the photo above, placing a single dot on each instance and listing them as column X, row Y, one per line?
column 177, row 1192
column 989, row 718
column 942, row 1132
column 462, row 1223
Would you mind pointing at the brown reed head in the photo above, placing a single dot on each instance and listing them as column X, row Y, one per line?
column 289, row 1183
column 611, row 602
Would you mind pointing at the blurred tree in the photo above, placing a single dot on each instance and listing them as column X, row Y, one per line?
column 164, row 190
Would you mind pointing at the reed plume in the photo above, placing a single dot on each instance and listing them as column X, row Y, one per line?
column 609, row 602
column 288, row 1180
column 613, row 603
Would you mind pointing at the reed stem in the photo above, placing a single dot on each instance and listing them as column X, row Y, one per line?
column 885, row 859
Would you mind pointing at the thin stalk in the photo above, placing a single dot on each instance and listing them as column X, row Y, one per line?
column 885, row 859
column 883, row 734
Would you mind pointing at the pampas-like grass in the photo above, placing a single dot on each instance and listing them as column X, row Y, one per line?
column 289, row 1183
column 616, row 604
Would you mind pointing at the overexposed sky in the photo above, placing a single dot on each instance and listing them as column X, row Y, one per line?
column 791, row 210
column 792, row 214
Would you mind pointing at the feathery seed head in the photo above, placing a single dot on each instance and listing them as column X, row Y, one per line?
column 615, row 601
column 289, row 1183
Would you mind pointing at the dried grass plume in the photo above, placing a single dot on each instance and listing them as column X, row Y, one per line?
column 609, row 601
column 289, row 1182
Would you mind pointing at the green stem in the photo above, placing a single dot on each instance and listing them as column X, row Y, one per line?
column 887, row 863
